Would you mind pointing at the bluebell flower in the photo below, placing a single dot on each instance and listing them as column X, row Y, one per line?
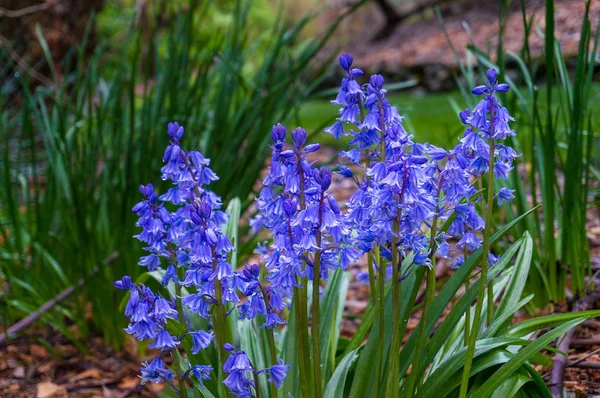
column 238, row 366
column 277, row 373
column 201, row 372
column 505, row 195
column 156, row 372
column 201, row 339
column 163, row 340
column 124, row 284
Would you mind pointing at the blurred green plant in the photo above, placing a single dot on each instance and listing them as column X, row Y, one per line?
column 556, row 134
column 74, row 153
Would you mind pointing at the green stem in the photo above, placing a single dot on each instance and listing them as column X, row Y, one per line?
column 380, row 306
column 179, row 373
column 393, row 386
column 302, row 313
column 371, row 267
column 464, row 386
column 382, row 271
column 316, row 315
column 256, row 388
column 429, row 295
column 271, row 335
column 301, row 343
column 315, row 329
column 421, row 337
column 174, row 354
column 220, row 328
column 490, row 302
column 468, row 313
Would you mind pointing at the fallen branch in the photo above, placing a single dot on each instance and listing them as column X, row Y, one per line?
column 27, row 10
column 560, row 361
column 588, row 341
column 583, row 365
column 23, row 66
column 48, row 305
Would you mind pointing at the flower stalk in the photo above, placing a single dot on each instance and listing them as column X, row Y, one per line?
column 485, row 262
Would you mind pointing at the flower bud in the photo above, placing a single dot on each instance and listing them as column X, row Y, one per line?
column 299, row 137
column 491, row 75
column 479, row 90
column 278, row 133
column 502, row 88
column 287, row 154
column 312, row 148
column 175, row 131
column 204, row 210
column 124, row 284
column 228, row 347
column 196, row 218
column 325, row 175
column 346, row 61
column 356, row 72
column 376, row 81
column 344, row 171
column 464, row 115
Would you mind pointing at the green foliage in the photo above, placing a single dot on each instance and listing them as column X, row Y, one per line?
column 73, row 154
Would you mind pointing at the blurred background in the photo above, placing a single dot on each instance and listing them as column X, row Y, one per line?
column 88, row 87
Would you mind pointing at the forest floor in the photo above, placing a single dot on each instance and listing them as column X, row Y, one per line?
column 419, row 49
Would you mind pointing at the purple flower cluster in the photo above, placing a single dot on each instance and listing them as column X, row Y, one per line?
column 183, row 235
column 304, row 219
column 410, row 187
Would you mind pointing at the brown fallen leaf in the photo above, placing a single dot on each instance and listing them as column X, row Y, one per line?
column 14, row 388
column 66, row 350
column 50, row 390
column 86, row 374
column 37, row 351
column 129, row 382
column 19, row 372
column 47, row 367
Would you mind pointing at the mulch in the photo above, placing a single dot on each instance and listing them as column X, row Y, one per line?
column 57, row 368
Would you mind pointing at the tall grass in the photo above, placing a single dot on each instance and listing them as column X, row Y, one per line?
column 74, row 153
column 557, row 139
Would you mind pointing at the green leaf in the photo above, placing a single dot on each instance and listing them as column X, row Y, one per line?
column 508, row 369
column 511, row 386
column 441, row 301
column 505, row 317
column 253, row 341
column 332, row 309
column 365, row 375
column 232, row 228
column 289, row 354
column 337, row 382
column 451, row 369
column 547, row 321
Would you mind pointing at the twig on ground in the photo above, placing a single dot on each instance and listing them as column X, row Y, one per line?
column 584, row 365
column 48, row 305
column 23, row 66
column 27, row 10
column 560, row 361
column 589, row 341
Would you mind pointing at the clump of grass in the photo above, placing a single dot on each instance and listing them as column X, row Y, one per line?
column 75, row 152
